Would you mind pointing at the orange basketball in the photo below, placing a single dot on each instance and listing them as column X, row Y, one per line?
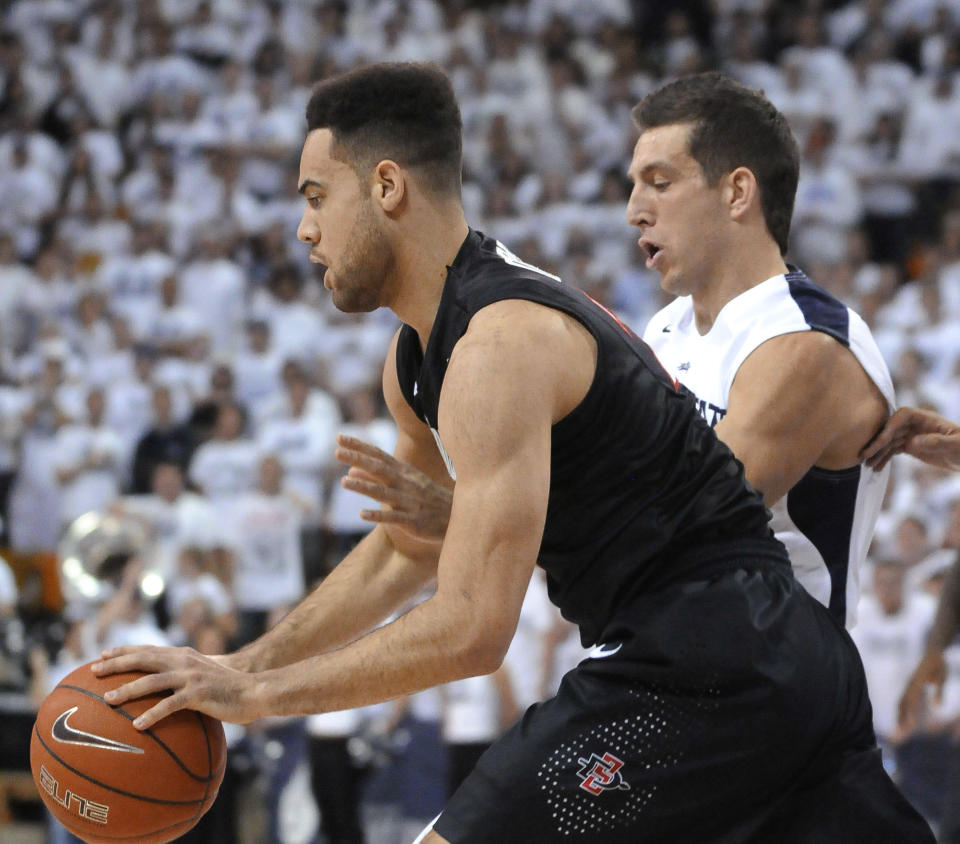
column 106, row 781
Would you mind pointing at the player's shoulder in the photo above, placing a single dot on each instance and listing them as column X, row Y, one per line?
column 819, row 309
column 788, row 308
column 518, row 326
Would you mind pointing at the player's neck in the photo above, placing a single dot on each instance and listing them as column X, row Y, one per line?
column 422, row 260
column 744, row 267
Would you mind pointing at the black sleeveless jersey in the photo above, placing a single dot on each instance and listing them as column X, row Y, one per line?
column 641, row 489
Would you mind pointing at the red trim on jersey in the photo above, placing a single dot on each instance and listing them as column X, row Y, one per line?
column 610, row 314
column 626, row 328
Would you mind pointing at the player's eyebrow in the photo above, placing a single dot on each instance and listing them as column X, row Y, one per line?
column 307, row 182
column 664, row 167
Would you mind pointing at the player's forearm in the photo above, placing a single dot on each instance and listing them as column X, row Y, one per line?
column 432, row 644
column 369, row 584
column 947, row 620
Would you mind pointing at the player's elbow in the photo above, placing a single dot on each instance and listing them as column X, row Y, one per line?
column 484, row 647
column 482, row 656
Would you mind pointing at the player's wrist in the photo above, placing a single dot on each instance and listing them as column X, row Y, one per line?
column 262, row 698
column 240, row 660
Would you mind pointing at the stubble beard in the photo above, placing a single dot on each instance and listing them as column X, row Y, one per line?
column 366, row 266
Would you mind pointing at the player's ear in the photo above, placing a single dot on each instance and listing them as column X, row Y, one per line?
column 742, row 192
column 389, row 185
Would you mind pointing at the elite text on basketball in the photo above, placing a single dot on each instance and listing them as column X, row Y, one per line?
column 88, row 809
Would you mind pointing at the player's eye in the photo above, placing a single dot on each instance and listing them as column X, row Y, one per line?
column 661, row 186
column 313, row 201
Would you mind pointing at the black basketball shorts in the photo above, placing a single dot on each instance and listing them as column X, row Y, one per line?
column 727, row 710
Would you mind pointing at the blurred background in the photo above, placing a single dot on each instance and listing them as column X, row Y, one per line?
column 172, row 374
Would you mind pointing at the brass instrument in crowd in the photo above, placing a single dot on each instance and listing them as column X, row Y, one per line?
column 92, row 553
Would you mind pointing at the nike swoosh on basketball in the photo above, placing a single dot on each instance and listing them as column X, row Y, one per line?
column 63, row 732
column 600, row 651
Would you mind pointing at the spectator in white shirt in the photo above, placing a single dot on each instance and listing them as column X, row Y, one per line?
column 294, row 325
column 931, row 130
column 49, row 300
column 30, row 195
column 35, row 494
column 87, row 463
column 264, row 530
column 91, row 333
column 118, row 362
column 175, row 327
column 174, row 518
column 226, row 465
column 214, row 287
column 257, row 370
column 303, row 440
column 828, row 203
column 892, row 625
column 129, row 401
column 132, row 282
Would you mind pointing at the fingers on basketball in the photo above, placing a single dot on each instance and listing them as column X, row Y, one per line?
column 106, row 781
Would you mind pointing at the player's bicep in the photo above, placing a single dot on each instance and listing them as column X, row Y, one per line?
column 779, row 414
column 495, row 420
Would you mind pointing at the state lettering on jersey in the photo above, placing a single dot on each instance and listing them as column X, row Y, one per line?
column 708, row 410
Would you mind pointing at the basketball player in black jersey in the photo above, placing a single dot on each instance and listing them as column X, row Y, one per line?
column 720, row 703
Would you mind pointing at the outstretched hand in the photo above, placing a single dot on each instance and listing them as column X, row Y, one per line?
column 195, row 681
column 921, row 433
column 415, row 502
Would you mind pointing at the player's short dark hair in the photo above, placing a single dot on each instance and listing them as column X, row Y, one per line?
column 403, row 111
column 733, row 126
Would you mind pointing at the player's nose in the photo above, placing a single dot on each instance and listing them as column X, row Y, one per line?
column 307, row 230
column 639, row 212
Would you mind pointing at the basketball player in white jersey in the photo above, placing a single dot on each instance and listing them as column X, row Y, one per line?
column 789, row 376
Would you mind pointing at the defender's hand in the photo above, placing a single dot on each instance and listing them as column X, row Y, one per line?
column 415, row 503
column 921, row 433
column 196, row 681
column 932, row 670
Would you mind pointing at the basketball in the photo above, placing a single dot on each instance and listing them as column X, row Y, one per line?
column 106, row 781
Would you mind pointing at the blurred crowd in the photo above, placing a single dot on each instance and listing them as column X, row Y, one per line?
column 170, row 361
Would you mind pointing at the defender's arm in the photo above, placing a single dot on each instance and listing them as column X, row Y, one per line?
column 797, row 401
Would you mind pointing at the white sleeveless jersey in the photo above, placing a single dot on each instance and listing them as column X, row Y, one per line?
column 826, row 520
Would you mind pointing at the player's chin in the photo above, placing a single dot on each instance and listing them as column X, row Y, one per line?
column 352, row 301
column 668, row 283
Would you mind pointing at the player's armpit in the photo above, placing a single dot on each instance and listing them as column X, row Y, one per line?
column 416, row 450
column 799, row 400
